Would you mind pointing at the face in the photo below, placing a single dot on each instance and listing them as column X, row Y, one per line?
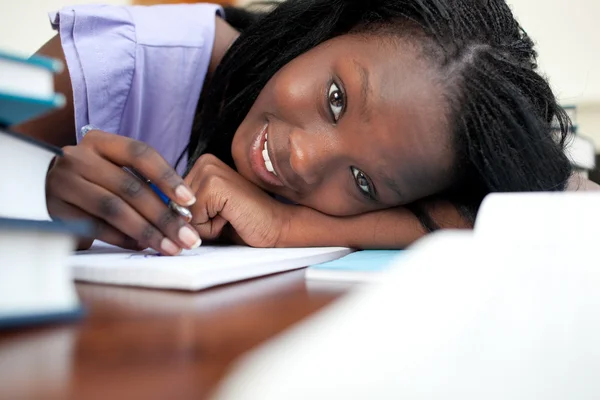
column 354, row 125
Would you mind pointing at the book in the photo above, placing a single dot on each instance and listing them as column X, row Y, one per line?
column 27, row 87
column 35, row 280
column 192, row 270
column 36, row 285
column 359, row 266
column 507, row 311
column 24, row 163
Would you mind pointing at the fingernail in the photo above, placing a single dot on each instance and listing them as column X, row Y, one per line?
column 185, row 195
column 189, row 237
column 169, row 247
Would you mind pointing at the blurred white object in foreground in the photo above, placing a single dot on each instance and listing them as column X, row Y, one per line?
column 510, row 311
column 582, row 153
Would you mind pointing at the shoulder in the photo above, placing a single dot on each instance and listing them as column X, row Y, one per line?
column 175, row 24
column 158, row 25
column 138, row 70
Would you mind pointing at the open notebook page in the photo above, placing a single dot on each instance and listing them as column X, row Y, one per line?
column 195, row 269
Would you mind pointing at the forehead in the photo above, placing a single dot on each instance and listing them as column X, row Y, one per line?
column 406, row 122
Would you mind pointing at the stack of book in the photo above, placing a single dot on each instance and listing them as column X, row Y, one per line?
column 35, row 280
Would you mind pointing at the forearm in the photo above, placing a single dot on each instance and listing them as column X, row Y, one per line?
column 386, row 229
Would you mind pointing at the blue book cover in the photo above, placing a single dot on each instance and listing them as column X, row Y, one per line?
column 81, row 227
column 27, row 87
column 358, row 266
column 31, row 320
column 15, row 109
column 48, row 63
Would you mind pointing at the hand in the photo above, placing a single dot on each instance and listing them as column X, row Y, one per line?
column 224, row 196
column 89, row 182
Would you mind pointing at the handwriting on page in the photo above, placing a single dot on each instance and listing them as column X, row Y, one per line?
column 101, row 248
column 185, row 253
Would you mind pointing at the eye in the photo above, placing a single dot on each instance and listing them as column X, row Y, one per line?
column 336, row 101
column 363, row 182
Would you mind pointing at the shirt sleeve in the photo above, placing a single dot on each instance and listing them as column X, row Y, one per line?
column 138, row 71
column 99, row 45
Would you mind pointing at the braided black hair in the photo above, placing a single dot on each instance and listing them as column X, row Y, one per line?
column 501, row 110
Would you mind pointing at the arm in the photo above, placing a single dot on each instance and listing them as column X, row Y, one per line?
column 58, row 126
column 391, row 228
column 229, row 206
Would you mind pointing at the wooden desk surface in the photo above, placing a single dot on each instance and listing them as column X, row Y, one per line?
column 138, row 343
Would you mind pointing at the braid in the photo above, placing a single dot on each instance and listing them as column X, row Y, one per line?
column 500, row 109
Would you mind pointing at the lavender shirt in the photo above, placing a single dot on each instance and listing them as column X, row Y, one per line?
column 138, row 71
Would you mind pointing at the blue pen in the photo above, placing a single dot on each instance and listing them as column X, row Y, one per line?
column 184, row 212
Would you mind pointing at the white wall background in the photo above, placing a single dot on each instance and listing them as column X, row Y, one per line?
column 25, row 25
column 567, row 33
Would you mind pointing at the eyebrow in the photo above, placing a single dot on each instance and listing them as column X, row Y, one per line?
column 365, row 88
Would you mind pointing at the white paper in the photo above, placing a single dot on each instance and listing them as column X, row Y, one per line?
column 194, row 269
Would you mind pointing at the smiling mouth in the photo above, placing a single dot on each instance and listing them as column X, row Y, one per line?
column 266, row 158
column 261, row 161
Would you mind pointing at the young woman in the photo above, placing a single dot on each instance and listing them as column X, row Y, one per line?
column 324, row 122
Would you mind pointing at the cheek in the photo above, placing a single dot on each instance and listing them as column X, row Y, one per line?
column 293, row 94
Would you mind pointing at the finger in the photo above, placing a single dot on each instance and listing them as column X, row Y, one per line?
column 144, row 159
column 108, row 207
column 205, row 217
column 142, row 199
column 102, row 230
column 212, row 228
column 204, row 209
column 189, row 178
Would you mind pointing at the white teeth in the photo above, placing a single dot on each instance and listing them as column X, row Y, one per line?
column 268, row 163
column 270, row 167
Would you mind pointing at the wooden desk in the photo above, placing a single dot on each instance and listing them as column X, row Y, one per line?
column 150, row 344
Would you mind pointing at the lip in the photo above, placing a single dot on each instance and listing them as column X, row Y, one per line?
column 257, row 163
column 273, row 156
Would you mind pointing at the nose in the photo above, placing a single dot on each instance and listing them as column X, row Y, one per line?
column 311, row 155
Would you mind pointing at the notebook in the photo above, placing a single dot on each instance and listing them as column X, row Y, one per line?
column 192, row 270
column 360, row 266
